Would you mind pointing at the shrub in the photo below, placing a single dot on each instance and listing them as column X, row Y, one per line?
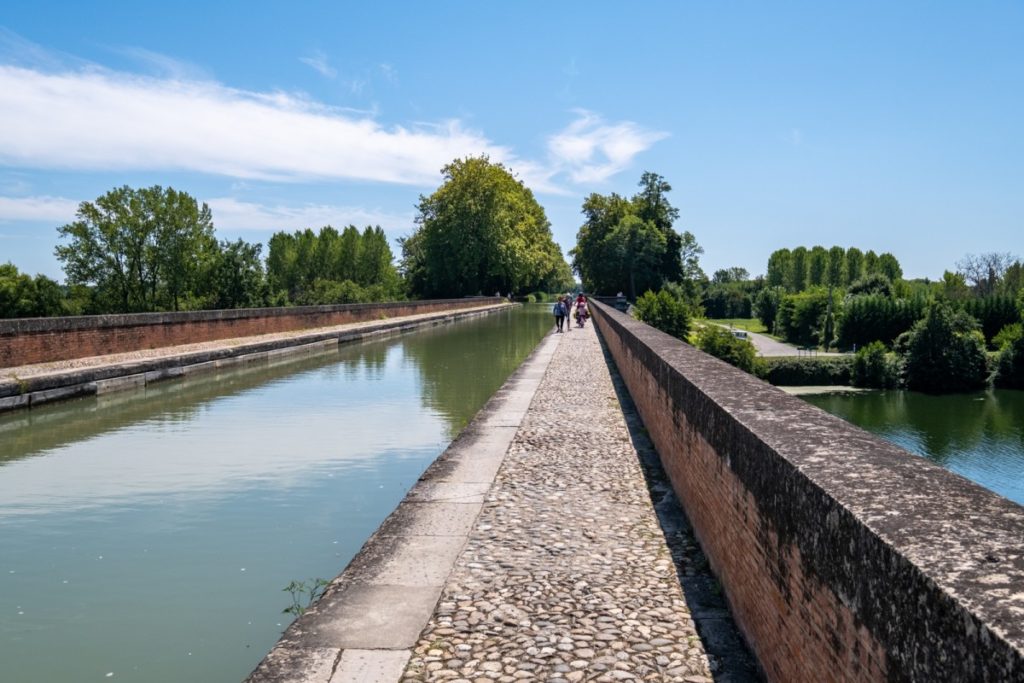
column 1010, row 364
column 1008, row 335
column 721, row 343
column 945, row 351
column 993, row 313
column 664, row 312
column 789, row 371
column 531, row 299
column 875, row 367
column 800, row 316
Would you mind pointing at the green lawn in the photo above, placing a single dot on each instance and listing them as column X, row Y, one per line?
column 748, row 324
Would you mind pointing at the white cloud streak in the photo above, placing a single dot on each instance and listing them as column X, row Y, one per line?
column 39, row 209
column 591, row 150
column 87, row 118
column 318, row 61
column 97, row 120
column 229, row 213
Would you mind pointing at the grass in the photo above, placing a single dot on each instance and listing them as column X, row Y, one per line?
column 748, row 324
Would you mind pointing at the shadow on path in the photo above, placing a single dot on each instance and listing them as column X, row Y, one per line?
column 731, row 660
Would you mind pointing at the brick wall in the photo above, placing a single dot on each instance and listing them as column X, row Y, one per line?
column 35, row 340
column 843, row 557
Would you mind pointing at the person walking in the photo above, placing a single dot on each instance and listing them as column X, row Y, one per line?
column 559, row 311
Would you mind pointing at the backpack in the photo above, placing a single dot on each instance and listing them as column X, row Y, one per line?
column 558, row 309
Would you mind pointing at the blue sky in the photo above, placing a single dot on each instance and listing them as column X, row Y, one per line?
column 888, row 126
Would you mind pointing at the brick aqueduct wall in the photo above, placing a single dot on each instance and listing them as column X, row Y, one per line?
column 844, row 558
column 36, row 340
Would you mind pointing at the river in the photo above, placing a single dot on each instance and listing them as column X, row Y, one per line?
column 979, row 436
column 148, row 536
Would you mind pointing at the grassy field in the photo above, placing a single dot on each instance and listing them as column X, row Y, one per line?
column 748, row 324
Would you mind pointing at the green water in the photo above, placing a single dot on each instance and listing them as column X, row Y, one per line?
column 147, row 536
column 979, row 436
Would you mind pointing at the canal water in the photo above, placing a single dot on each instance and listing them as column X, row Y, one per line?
column 979, row 436
column 147, row 536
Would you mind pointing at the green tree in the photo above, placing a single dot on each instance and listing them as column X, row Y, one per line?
column 609, row 258
column 766, row 305
column 797, row 280
column 1010, row 362
column 817, row 266
column 22, row 296
column 836, row 274
column 870, row 263
column 237, row 277
column 874, row 367
column 954, row 287
column 140, row 249
column 890, row 267
column 482, row 231
column 663, row 311
column 777, row 274
column 945, row 351
column 854, row 264
column 721, row 343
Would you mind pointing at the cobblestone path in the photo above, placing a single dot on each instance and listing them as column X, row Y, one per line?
column 566, row 575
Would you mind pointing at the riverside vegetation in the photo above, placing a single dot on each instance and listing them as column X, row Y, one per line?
column 155, row 249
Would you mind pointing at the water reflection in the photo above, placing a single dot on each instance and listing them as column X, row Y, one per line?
column 149, row 534
column 980, row 436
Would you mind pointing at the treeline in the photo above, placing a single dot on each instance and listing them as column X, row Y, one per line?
column 154, row 249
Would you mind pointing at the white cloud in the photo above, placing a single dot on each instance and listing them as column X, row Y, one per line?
column 42, row 208
column 231, row 214
column 98, row 120
column 591, row 150
column 85, row 118
column 318, row 61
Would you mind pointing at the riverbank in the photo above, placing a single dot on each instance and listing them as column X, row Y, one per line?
column 28, row 385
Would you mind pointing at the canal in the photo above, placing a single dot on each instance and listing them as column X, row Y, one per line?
column 148, row 536
column 979, row 436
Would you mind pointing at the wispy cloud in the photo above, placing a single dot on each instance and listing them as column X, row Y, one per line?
column 319, row 62
column 98, row 120
column 40, row 208
column 232, row 214
column 592, row 150
column 229, row 213
column 163, row 65
column 59, row 114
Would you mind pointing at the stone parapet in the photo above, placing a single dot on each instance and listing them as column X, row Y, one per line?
column 24, row 341
column 843, row 557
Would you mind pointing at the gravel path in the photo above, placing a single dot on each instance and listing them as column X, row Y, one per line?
column 566, row 575
column 53, row 367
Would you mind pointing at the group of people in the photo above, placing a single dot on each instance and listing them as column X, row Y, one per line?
column 566, row 306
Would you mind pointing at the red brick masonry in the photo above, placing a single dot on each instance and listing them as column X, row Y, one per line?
column 843, row 557
column 37, row 340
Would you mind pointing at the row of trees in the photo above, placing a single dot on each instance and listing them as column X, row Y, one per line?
column 797, row 269
column 153, row 249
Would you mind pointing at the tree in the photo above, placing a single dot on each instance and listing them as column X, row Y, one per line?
column 890, row 267
column 817, row 266
column 766, row 305
column 854, row 264
column 140, row 249
column 721, row 343
column 608, row 256
column 727, row 275
column 21, row 296
column 984, row 272
column 954, row 287
column 870, row 263
column 777, row 274
column 797, row 281
column 836, row 273
column 945, row 351
column 664, row 312
column 482, row 231
column 237, row 278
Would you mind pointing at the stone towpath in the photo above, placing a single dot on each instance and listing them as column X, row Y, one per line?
column 566, row 575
